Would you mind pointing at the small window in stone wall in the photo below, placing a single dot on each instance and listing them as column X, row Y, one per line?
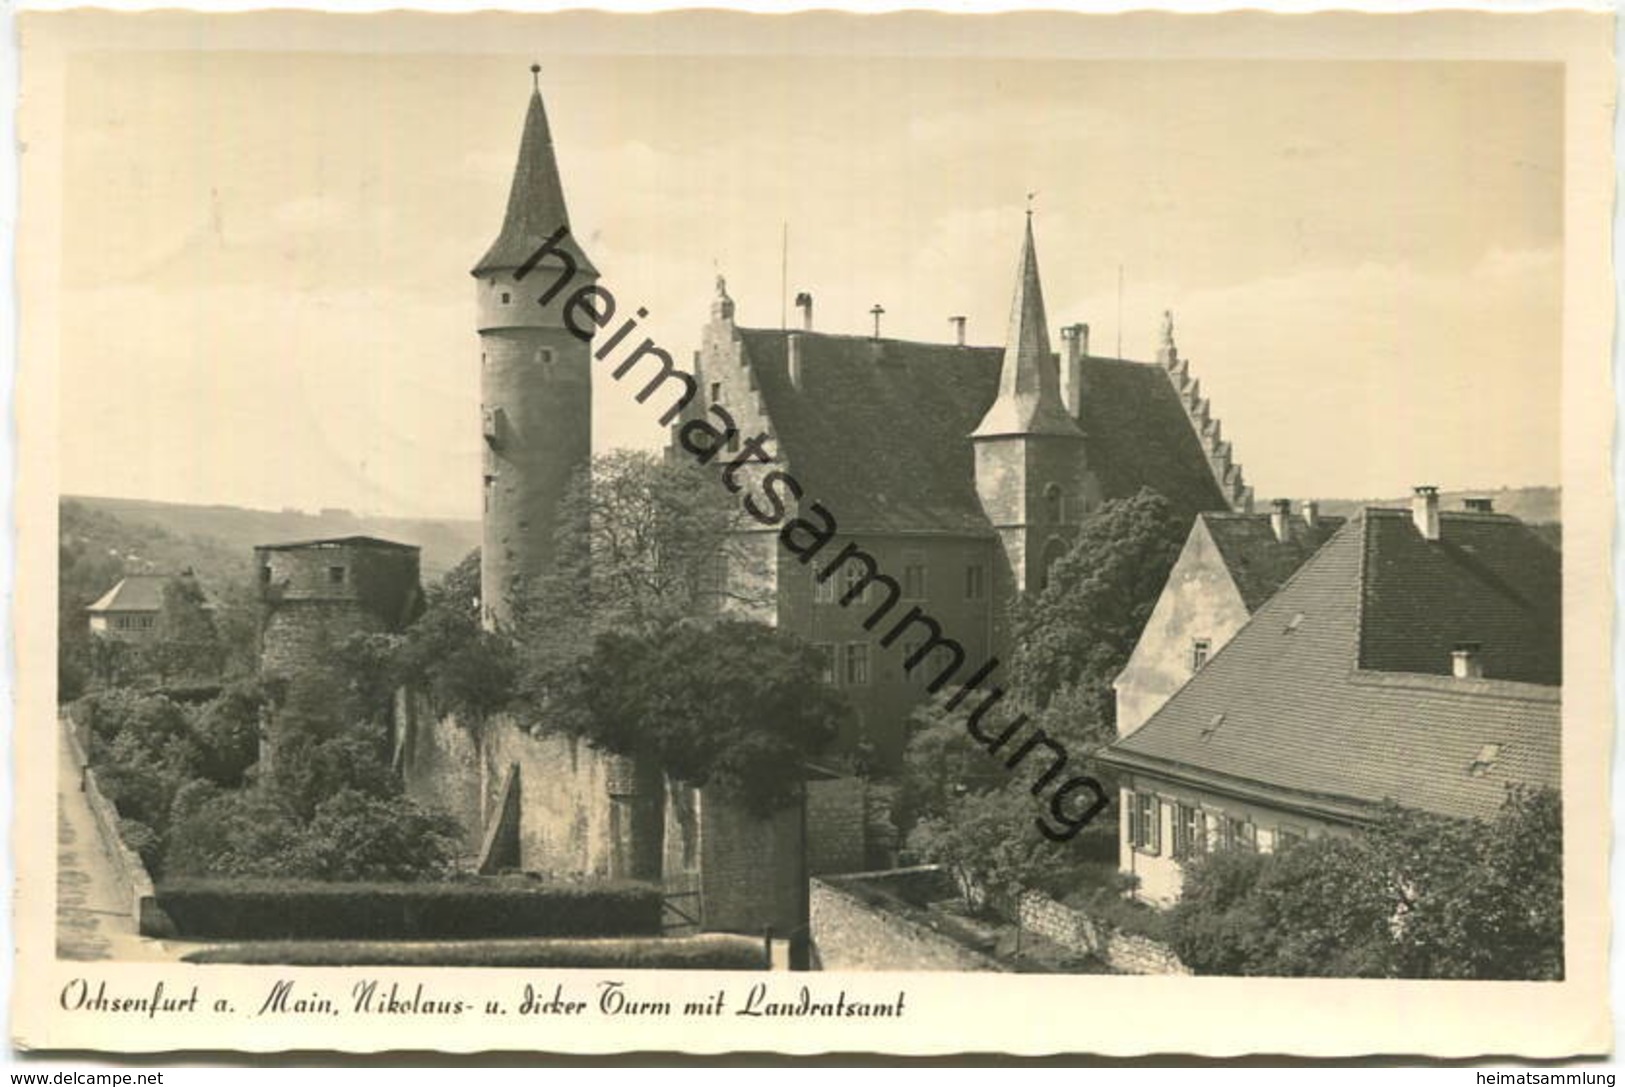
column 335, row 575
column 826, row 661
column 265, row 574
column 823, row 591
column 976, row 582
column 913, row 576
column 506, row 298
column 857, row 664
column 1053, row 503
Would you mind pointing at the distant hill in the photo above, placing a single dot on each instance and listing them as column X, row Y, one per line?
column 208, row 537
column 1533, row 505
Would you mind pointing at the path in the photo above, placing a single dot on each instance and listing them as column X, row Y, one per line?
column 92, row 917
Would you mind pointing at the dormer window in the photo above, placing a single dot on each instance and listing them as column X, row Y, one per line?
column 1201, row 648
column 1485, row 762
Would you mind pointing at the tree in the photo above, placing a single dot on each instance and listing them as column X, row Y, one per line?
column 185, row 643
column 1416, row 895
column 1075, row 637
column 735, row 706
column 465, row 669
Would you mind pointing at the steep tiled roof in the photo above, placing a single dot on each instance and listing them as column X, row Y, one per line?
column 1259, row 564
column 535, row 201
column 340, row 541
column 879, row 430
column 1487, row 579
column 137, row 592
column 1284, row 712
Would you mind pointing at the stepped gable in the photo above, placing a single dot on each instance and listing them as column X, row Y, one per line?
column 1219, row 453
column 879, row 429
column 1285, row 713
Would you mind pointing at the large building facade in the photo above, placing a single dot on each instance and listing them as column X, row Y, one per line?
column 961, row 472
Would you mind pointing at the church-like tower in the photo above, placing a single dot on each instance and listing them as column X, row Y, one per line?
column 535, row 374
column 1031, row 474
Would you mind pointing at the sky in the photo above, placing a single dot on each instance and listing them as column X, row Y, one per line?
column 265, row 255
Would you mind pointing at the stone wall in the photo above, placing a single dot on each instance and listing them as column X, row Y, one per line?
column 751, row 873
column 851, row 934
column 837, row 815
column 1125, row 953
column 134, row 881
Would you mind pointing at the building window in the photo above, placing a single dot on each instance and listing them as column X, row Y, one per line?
column 265, row 575
column 856, row 575
column 1200, row 649
column 716, row 574
column 976, row 582
column 716, row 392
column 857, row 664
column 1190, row 832
column 146, row 622
column 1286, row 837
column 823, row 589
column 1145, row 823
column 1053, row 503
column 505, row 298
column 335, row 575
column 1237, row 833
column 913, row 577
column 826, row 661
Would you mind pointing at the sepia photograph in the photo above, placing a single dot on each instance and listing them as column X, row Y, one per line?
column 596, row 533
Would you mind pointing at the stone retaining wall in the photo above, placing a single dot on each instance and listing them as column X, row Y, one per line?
column 1124, row 952
column 132, row 875
column 850, row 934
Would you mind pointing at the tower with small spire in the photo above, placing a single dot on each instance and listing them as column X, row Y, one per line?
column 535, row 373
column 1031, row 475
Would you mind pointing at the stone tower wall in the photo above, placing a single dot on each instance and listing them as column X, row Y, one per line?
column 536, row 406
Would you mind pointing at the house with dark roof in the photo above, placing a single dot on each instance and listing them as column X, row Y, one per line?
column 1231, row 563
column 129, row 611
column 1415, row 659
column 962, row 471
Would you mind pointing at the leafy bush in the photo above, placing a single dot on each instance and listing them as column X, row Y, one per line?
column 285, row 909
column 350, row 836
column 1416, row 895
column 710, row 951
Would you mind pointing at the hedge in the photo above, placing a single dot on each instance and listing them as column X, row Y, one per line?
column 710, row 951
column 238, row 909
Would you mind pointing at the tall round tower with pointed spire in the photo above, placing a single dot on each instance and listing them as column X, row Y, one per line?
column 535, row 372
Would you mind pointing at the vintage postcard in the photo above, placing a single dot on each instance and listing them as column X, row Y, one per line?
column 910, row 534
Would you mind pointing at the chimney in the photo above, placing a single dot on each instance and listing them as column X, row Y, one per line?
column 1280, row 519
column 1467, row 660
column 793, row 348
column 959, row 330
column 1075, row 345
column 1425, row 511
column 1478, row 505
column 804, row 304
column 1311, row 514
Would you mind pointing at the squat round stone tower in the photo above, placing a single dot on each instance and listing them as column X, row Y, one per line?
column 535, row 371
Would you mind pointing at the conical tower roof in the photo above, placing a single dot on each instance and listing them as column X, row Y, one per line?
column 535, row 201
column 1029, row 400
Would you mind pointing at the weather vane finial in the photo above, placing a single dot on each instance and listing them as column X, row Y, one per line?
column 1030, row 197
column 536, row 76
